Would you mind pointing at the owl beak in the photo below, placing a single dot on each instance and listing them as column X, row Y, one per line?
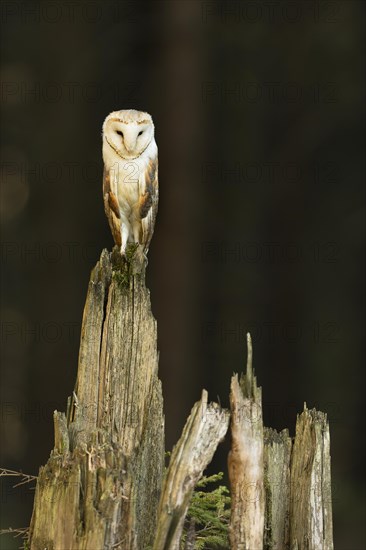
column 130, row 147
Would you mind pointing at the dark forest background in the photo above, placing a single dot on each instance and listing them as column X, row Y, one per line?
column 259, row 116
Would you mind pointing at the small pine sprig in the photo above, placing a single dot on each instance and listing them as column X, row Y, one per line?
column 207, row 521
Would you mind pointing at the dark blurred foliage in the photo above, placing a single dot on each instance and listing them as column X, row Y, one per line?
column 259, row 117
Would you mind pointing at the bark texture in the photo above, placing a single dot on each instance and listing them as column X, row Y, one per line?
column 204, row 429
column 103, row 486
column 245, row 462
column 280, row 490
column 93, row 492
column 311, row 503
column 277, row 455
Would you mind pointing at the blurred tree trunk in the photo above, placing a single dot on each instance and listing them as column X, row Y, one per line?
column 180, row 67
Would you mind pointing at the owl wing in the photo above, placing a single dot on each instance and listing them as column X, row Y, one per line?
column 111, row 208
column 148, row 201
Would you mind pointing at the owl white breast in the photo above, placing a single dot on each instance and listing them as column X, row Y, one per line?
column 130, row 181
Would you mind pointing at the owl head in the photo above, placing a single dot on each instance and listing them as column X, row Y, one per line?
column 128, row 133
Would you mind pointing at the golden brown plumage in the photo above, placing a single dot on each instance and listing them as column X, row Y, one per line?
column 111, row 208
column 130, row 180
column 148, row 203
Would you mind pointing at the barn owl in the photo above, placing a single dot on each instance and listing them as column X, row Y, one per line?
column 130, row 180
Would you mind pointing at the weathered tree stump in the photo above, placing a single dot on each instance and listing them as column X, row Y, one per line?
column 310, row 489
column 281, row 491
column 104, row 486
column 101, row 485
column 245, row 461
column 205, row 428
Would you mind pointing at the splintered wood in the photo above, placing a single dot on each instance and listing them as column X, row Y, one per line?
column 281, row 491
column 101, row 486
column 310, row 500
column 245, row 462
column 204, row 429
column 277, row 455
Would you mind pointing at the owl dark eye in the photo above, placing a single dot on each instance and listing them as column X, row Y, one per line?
column 139, row 134
column 120, row 133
